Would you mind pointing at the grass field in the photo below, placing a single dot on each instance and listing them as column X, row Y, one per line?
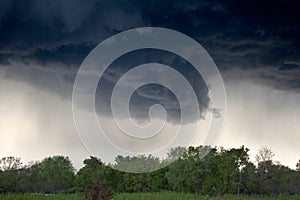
column 142, row 196
column 41, row 196
column 178, row 196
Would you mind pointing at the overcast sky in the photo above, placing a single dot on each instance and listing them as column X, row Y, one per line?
column 255, row 46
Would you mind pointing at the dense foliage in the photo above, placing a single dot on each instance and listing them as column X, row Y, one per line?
column 220, row 172
column 146, row 196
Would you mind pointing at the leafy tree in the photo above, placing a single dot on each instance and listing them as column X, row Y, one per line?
column 193, row 172
column 249, row 179
column 296, row 178
column 29, row 178
column 156, row 180
column 8, row 181
column 137, row 163
column 54, row 174
column 176, row 176
column 276, row 179
column 175, row 153
column 265, row 168
column 209, row 165
column 220, row 171
column 87, row 176
column 9, row 174
column 94, row 173
column 231, row 164
column 202, row 170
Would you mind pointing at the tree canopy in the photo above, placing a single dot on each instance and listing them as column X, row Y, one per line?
column 220, row 171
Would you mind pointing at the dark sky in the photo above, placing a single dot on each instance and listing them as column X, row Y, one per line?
column 260, row 36
column 255, row 45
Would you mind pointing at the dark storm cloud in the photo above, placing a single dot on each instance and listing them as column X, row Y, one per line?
column 257, row 40
column 144, row 97
column 31, row 26
column 39, row 36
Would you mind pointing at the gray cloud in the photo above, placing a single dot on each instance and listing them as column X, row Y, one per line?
column 51, row 39
column 151, row 94
column 72, row 14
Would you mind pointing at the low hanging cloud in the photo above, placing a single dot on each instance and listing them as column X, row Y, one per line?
column 151, row 94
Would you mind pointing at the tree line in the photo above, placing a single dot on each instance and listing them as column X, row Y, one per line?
column 220, row 171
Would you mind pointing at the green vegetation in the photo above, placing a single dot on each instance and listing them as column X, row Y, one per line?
column 221, row 174
column 41, row 197
column 189, row 196
column 144, row 196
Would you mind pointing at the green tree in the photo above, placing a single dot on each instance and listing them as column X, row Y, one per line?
column 175, row 153
column 157, row 181
column 209, row 169
column 54, row 174
column 95, row 172
column 249, row 179
column 265, row 168
column 88, row 175
column 176, row 176
column 139, row 164
column 10, row 168
column 232, row 162
column 195, row 172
